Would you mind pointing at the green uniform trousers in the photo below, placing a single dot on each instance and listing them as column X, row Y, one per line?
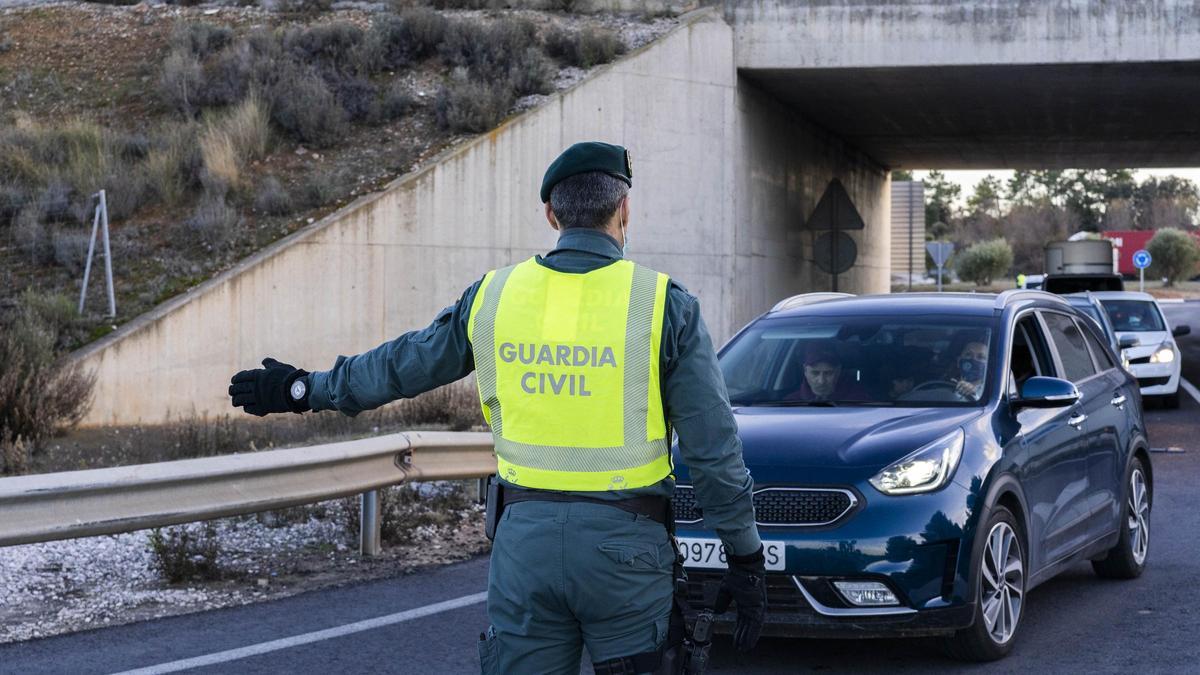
column 565, row 575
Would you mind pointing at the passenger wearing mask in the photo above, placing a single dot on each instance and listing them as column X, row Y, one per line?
column 969, row 370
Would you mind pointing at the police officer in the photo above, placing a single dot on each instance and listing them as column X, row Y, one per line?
column 585, row 362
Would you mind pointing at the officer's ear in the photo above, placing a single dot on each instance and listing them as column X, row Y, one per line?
column 550, row 217
column 625, row 210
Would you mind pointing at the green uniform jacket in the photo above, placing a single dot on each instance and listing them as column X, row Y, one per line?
column 697, row 405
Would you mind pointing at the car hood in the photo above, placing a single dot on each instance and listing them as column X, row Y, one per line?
column 836, row 445
column 1148, row 341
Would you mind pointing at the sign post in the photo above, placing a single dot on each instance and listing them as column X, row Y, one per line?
column 940, row 251
column 1141, row 260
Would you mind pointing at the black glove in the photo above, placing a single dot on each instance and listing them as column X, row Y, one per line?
column 265, row 390
column 745, row 584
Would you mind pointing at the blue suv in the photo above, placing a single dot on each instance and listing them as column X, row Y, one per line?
column 922, row 461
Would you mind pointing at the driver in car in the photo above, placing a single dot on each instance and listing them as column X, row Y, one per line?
column 969, row 370
column 823, row 378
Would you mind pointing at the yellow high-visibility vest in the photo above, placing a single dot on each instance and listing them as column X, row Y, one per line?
column 568, row 373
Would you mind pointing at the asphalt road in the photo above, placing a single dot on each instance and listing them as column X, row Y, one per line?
column 1075, row 623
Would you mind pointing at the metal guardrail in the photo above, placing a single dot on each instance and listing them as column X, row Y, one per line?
column 52, row 506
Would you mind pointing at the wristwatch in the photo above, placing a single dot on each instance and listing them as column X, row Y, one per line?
column 298, row 392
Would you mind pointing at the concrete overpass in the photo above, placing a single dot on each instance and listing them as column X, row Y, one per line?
column 755, row 127
column 985, row 83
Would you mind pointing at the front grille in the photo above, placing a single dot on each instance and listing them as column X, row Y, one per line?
column 782, row 595
column 1139, row 360
column 778, row 506
column 1152, row 381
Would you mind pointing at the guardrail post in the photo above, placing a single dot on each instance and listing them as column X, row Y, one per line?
column 369, row 523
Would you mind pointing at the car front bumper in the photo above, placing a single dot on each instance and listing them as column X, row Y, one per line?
column 919, row 546
column 1157, row 379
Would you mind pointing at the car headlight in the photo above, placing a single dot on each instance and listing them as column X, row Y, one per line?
column 1164, row 354
column 927, row 469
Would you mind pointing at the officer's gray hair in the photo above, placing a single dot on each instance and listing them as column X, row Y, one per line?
column 587, row 200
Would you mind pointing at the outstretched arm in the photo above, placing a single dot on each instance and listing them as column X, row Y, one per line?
column 402, row 368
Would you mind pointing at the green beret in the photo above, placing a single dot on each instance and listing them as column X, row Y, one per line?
column 584, row 157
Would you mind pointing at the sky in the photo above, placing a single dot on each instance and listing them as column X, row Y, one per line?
column 968, row 179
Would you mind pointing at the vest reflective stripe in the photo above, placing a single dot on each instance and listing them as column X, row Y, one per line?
column 571, row 395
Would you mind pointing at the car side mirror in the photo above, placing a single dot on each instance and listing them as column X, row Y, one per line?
column 1180, row 331
column 1047, row 392
column 1129, row 341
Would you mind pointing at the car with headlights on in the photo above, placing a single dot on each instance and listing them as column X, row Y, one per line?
column 921, row 462
column 1147, row 343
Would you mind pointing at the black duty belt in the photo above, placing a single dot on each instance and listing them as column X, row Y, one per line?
column 653, row 507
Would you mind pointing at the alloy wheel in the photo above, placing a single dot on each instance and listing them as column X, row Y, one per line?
column 1002, row 588
column 1139, row 517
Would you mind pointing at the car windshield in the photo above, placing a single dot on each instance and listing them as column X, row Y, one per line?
column 1133, row 315
column 1090, row 310
column 860, row 361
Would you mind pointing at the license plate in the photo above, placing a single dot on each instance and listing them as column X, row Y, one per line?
column 710, row 553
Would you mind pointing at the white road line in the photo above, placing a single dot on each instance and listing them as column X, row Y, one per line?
column 307, row 638
column 1190, row 389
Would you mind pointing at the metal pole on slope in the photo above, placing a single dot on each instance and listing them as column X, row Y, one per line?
column 87, row 268
column 112, row 300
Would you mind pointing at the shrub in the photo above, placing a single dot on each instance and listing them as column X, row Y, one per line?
column 531, row 73
column 302, row 105
column 12, row 199
column 186, row 552
column 487, row 51
column 15, row 456
column 180, row 81
column 413, row 35
column 984, row 261
column 174, row 163
column 302, row 6
column 322, row 187
column 397, row 102
column 584, row 49
column 200, row 38
column 473, row 107
column 31, row 236
column 55, row 201
column 272, row 198
column 1174, row 254
column 212, row 222
column 124, row 193
column 70, row 249
column 330, row 44
column 40, row 395
column 357, row 96
column 228, row 77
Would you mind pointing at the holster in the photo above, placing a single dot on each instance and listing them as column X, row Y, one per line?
column 494, row 508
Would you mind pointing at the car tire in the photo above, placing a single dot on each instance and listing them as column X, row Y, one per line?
column 988, row 640
column 1170, row 401
column 1128, row 558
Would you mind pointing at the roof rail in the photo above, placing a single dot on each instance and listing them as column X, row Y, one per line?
column 1003, row 298
column 808, row 299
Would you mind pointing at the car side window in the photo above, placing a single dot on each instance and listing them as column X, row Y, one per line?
column 1100, row 353
column 1069, row 342
column 1029, row 356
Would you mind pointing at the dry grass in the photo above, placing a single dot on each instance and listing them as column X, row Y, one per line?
column 230, row 141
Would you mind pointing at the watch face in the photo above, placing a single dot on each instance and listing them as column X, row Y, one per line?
column 298, row 389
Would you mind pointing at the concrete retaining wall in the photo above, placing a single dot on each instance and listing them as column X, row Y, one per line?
column 722, row 173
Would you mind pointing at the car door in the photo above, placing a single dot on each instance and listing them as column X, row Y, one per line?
column 1088, row 418
column 1052, row 468
column 1111, row 424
